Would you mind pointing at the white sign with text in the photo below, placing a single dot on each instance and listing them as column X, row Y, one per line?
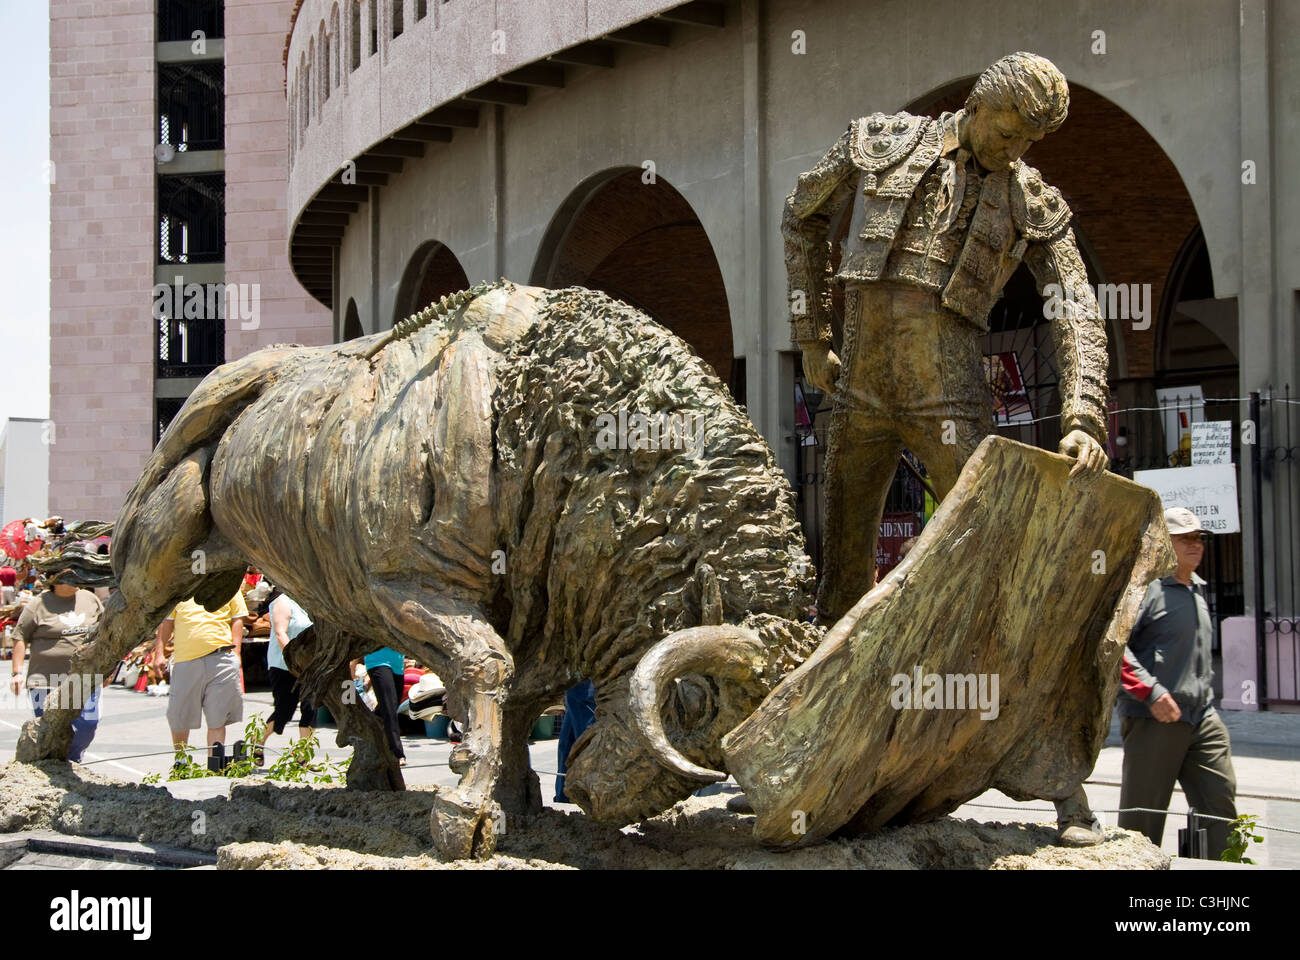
column 1211, row 442
column 1209, row 491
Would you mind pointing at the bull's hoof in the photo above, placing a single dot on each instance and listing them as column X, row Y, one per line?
column 32, row 747
column 1081, row 835
column 463, row 830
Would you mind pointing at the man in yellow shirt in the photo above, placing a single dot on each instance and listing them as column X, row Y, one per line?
column 205, row 682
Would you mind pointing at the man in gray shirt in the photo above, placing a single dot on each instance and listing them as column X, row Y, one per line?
column 1167, row 717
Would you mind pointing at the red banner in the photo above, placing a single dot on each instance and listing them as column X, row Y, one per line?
column 895, row 529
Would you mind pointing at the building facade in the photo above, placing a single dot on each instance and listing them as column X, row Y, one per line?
column 168, row 223
column 24, row 468
column 646, row 148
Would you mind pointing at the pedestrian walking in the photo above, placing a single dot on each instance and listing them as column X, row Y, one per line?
column 288, row 620
column 53, row 626
column 1167, row 718
column 205, row 678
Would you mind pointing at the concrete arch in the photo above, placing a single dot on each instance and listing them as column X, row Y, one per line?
column 352, row 322
column 645, row 244
column 1130, row 228
column 1176, row 110
column 431, row 273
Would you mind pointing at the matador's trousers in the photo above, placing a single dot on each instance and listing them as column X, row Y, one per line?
column 912, row 376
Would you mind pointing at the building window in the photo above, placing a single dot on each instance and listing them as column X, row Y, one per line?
column 421, row 9
column 356, row 34
column 336, row 49
column 398, row 25
column 374, row 28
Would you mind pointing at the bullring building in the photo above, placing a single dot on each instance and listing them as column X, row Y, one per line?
column 409, row 148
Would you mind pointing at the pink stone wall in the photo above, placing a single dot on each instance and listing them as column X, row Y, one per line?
column 256, row 182
column 102, row 132
column 103, row 236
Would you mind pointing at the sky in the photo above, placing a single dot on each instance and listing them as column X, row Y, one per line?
column 25, row 199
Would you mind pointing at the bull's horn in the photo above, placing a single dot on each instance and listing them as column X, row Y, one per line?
column 732, row 653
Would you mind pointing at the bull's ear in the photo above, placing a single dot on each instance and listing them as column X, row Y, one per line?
column 691, row 702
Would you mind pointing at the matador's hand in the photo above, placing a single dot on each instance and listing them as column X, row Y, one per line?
column 821, row 367
column 1088, row 453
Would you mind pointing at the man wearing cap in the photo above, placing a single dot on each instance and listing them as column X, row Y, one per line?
column 1167, row 717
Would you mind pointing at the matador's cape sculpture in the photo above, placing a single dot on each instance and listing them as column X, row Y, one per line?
column 941, row 212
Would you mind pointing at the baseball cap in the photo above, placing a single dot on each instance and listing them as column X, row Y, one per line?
column 1181, row 520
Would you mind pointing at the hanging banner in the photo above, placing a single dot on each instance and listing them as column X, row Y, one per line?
column 1208, row 491
column 896, row 528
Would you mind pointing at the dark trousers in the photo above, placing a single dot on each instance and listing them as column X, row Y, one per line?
column 1199, row 758
column 286, row 696
column 384, row 685
column 579, row 712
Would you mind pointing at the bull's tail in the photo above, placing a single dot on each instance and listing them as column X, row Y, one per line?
column 210, row 409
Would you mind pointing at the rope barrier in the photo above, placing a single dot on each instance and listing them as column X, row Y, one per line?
column 1198, row 815
column 983, row 806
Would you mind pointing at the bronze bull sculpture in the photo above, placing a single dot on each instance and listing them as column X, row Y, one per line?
column 522, row 488
column 518, row 487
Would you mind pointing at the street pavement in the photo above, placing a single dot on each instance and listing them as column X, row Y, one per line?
column 1265, row 753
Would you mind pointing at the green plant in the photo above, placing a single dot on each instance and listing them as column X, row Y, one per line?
column 184, row 766
column 1240, row 836
column 298, row 764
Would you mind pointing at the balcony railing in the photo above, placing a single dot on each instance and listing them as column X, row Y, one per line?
column 191, row 219
column 190, row 348
column 191, row 106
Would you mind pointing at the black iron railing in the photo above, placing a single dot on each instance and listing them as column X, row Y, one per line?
column 190, row 348
column 192, row 220
column 191, row 106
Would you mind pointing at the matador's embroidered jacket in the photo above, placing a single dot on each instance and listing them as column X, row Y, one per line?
column 925, row 213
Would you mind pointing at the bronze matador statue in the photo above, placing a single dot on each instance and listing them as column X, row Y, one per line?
column 942, row 212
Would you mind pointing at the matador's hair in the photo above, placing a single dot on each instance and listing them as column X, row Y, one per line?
column 1025, row 82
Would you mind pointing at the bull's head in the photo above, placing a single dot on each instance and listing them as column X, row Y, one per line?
column 658, row 732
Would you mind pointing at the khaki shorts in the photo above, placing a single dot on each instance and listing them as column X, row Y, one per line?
column 205, row 689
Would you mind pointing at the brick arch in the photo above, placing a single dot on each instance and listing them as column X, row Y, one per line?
column 643, row 244
column 1130, row 203
column 432, row 272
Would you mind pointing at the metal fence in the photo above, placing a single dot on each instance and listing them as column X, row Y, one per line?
column 1275, row 482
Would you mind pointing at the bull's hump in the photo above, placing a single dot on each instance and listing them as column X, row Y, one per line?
column 506, row 313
